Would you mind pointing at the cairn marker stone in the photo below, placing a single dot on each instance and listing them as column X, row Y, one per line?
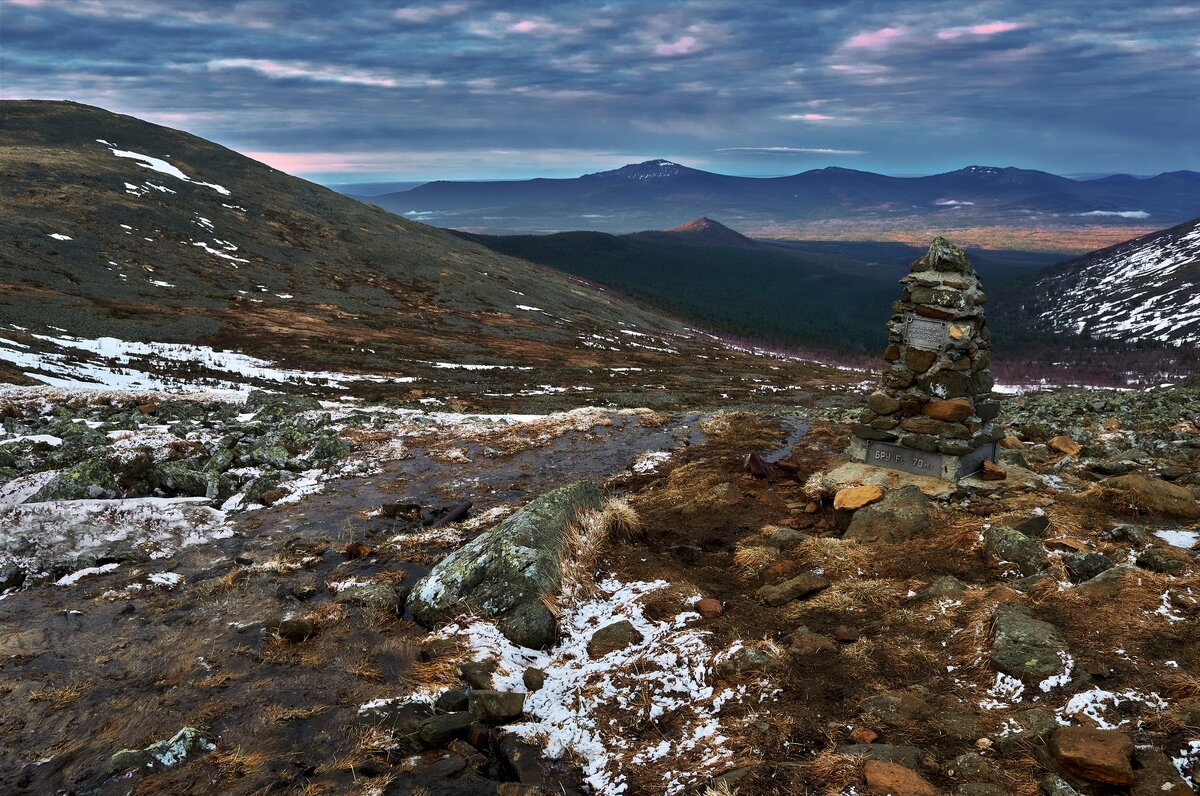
column 932, row 412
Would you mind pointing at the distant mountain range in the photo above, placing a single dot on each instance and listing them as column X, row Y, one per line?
column 834, row 201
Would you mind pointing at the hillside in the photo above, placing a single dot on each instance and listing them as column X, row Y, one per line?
column 995, row 207
column 1145, row 290
column 210, row 269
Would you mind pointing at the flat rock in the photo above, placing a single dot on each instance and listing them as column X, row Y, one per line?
column 1094, row 755
column 805, row 643
column 884, row 752
column 900, row 516
column 855, row 497
column 1024, row 647
column 893, row 779
column 1156, row 496
column 1064, row 445
column 857, row 473
column 440, row 730
column 950, row 411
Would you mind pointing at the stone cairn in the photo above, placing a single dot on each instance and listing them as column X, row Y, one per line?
column 931, row 413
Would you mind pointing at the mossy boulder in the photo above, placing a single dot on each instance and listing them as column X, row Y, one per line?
column 88, row 480
column 507, row 569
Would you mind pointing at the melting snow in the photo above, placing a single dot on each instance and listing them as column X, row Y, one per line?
column 59, row 236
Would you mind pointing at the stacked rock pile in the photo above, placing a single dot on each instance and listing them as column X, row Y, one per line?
column 934, row 396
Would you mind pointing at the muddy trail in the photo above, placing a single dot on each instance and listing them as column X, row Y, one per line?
column 836, row 647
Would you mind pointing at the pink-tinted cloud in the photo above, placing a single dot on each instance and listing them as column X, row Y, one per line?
column 419, row 15
column 524, row 26
column 875, row 40
column 986, row 29
column 810, row 117
column 682, row 46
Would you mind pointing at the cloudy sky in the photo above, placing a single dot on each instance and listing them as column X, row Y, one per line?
column 356, row 90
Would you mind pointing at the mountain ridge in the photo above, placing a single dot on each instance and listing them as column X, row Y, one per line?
column 985, row 203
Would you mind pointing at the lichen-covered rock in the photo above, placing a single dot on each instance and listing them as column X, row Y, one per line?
column 1006, row 544
column 511, row 566
column 164, row 753
column 900, row 516
column 89, row 480
column 1024, row 647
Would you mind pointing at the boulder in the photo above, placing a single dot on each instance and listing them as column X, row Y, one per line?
column 613, row 637
column 1024, row 647
column 1006, row 544
column 87, row 480
column 1155, row 775
column 440, row 730
column 382, row 597
column 509, row 567
column 1094, row 755
column 1085, row 566
column 777, row 594
column 1155, row 496
column 495, row 707
column 901, row 515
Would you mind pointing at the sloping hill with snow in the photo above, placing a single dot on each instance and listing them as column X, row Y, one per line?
column 137, row 255
column 1144, row 290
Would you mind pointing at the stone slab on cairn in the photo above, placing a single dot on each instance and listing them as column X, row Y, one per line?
column 932, row 413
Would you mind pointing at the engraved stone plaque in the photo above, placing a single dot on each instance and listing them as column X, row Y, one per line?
column 910, row 460
column 925, row 334
column 974, row 460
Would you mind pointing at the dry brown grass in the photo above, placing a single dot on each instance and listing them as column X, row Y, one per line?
column 366, row 669
column 748, row 554
column 848, row 596
column 278, row 714
column 834, row 773
column 838, row 557
column 217, row 680
column 62, row 696
column 620, row 521
column 239, row 764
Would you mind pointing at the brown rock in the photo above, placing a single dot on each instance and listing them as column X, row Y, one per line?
column 923, row 425
column 1155, row 496
column 812, row 507
column 1156, row 775
column 992, row 471
column 912, row 407
column 1094, row 755
column 919, row 361
column 846, row 634
column 951, row 411
column 805, row 642
column 270, row 496
column 356, row 550
column 892, row 353
column 1012, row 443
column 862, row 735
column 855, row 497
column 1065, row 445
column 882, row 404
column 709, row 608
column 781, row 571
column 893, row 779
column 1112, row 424
column 148, row 408
column 617, row 636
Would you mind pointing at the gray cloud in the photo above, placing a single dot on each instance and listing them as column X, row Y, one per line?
column 481, row 88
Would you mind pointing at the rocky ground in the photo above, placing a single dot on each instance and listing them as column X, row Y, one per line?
column 202, row 594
